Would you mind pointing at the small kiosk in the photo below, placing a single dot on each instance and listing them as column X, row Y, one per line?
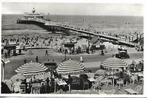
column 11, row 50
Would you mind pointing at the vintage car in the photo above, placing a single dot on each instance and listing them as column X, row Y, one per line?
column 122, row 54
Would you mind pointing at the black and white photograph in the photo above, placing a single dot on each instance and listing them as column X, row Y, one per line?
column 72, row 48
column 61, row 97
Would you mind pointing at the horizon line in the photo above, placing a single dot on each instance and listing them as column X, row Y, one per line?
column 73, row 15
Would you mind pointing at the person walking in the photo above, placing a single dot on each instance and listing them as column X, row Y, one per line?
column 102, row 52
column 69, row 82
column 81, row 59
column 46, row 53
column 37, row 59
column 25, row 60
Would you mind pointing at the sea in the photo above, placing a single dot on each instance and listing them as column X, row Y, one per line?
column 114, row 24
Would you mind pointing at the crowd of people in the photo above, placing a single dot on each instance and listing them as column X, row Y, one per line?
column 75, row 45
column 66, row 45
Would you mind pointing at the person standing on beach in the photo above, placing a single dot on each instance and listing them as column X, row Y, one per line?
column 81, row 59
column 25, row 60
column 37, row 60
column 46, row 53
column 69, row 82
column 102, row 52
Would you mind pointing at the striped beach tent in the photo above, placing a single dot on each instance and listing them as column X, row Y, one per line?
column 31, row 68
column 70, row 67
column 114, row 63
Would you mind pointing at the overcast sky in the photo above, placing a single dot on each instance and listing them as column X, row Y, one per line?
column 73, row 8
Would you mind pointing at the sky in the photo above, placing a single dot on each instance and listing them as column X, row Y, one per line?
column 73, row 8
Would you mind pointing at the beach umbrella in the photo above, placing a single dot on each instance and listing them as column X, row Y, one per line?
column 31, row 68
column 114, row 63
column 70, row 67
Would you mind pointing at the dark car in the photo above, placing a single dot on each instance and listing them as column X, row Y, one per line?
column 122, row 55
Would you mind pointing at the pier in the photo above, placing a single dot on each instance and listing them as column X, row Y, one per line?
column 56, row 26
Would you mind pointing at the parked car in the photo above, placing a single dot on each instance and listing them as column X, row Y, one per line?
column 122, row 55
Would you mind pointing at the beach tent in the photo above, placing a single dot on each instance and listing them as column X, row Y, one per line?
column 114, row 63
column 70, row 67
column 82, row 42
column 31, row 68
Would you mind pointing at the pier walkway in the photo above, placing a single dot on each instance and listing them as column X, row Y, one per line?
column 73, row 28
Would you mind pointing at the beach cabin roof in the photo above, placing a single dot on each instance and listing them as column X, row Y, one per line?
column 31, row 68
column 70, row 67
column 114, row 63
